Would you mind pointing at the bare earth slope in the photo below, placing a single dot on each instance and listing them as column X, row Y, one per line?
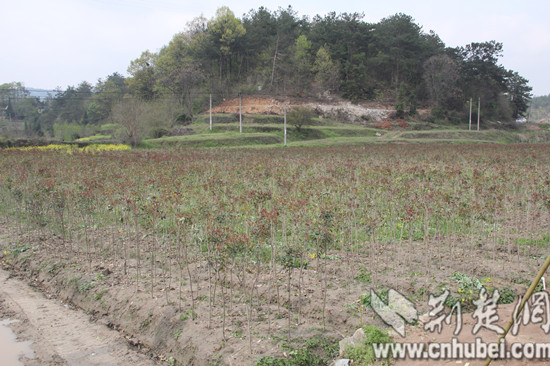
column 355, row 113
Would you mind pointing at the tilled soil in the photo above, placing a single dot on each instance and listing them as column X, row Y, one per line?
column 151, row 313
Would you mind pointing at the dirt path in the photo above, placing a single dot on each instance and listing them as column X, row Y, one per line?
column 61, row 335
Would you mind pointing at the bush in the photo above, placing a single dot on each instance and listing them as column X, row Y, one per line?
column 184, row 119
column 438, row 114
column 300, row 116
column 5, row 142
column 507, row 296
column 456, row 117
column 363, row 354
column 159, row 132
column 67, row 131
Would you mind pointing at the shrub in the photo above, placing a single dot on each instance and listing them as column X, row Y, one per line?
column 363, row 354
column 67, row 131
column 299, row 117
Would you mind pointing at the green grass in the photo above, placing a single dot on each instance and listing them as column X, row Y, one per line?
column 540, row 242
column 317, row 351
column 215, row 140
column 109, row 127
column 363, row 354
column 267, row 131
column 455, row 135
column 98, row 137
column 364, row 275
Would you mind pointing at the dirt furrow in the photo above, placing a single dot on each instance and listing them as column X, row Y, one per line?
column 60, row 334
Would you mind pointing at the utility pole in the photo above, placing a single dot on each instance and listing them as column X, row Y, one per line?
column 240, row 114
column 478, row 111
column 470, row 120
column 284, row 109
column 210, row 112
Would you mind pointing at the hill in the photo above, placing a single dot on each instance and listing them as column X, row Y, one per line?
column 330, row 64
column 42, row 93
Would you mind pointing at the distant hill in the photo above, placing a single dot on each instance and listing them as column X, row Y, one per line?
column 42, row 93
column 540, row 109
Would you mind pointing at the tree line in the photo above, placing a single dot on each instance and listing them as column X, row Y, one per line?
column 279, row 53
column 540, row 109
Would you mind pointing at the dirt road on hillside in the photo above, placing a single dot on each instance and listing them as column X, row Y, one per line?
column 61, row 335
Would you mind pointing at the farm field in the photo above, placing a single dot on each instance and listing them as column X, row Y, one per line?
column 267, row 131
column 248, row 256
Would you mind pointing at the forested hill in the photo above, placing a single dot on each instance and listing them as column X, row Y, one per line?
column 282, row 54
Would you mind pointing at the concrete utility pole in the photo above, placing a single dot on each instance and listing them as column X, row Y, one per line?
column 284, row 109
column 470, row 120
column 210, row 112
column 240, row 114
column 478, row 111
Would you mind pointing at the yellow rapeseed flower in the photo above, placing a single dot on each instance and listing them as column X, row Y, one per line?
column 71, row 149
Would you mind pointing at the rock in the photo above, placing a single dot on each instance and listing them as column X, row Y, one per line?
column 357, row 338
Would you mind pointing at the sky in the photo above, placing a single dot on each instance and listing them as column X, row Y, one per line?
column 60, row 43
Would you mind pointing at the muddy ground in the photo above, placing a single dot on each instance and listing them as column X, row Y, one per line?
column 142, row 312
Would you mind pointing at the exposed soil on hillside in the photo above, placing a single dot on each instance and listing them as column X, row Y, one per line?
column 251, row 105
column 344, row 111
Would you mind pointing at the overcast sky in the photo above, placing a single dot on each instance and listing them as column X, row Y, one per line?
column 57, row 43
